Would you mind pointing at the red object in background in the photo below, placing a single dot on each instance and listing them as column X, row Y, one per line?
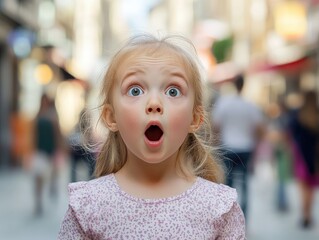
column 290, row 67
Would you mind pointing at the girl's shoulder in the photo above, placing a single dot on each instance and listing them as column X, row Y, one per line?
column 218, row 196
column 91, row 184
column 218, row 189
column 88, row 192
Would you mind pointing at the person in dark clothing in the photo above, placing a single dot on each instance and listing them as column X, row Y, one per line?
column 304, row 128
column 46, row 144
column 280, row 140
column 78, row 152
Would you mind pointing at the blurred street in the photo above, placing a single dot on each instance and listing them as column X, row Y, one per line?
column 265, row 221
column 59, row 50
column 17, row 217
column 17, row 221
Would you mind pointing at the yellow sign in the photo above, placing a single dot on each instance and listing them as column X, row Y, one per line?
column 291, row 20
column 43, row 74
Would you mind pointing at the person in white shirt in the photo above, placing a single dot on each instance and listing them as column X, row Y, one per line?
column 238, row 124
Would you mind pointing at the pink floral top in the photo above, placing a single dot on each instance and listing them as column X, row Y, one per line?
column 99, row 209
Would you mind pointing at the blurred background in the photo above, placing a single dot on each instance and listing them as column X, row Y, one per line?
column 61, row 48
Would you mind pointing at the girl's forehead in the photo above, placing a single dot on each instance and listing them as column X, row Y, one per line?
column 142, row 56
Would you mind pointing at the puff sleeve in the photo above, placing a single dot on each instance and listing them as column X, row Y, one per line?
column 71, row 228
column 76, row 220
column 233, row 224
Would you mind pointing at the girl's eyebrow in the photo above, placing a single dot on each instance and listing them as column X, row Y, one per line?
column 132, row 72
column 171, row 72
column 178, row 74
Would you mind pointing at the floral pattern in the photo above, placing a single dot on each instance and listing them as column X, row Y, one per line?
column 99, row 209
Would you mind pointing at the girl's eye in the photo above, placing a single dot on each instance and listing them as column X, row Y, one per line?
column 173, row 92
column 135, row 91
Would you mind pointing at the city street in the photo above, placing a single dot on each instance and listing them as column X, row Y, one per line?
column 17, row 221
column 252, row 64
column 264, row 221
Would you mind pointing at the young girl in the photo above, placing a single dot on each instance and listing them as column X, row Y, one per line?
column 156, row 177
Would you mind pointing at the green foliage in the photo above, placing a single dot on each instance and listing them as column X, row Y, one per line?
column 221, row 49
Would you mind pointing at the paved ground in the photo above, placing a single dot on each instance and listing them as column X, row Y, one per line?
column 17, row 221
column 265, row 222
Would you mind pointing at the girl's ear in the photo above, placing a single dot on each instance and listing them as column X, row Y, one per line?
column 108, row 118
column 198, row 118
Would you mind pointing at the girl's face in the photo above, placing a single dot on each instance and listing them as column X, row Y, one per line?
column 153, row 102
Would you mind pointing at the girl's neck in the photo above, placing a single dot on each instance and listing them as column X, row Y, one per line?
column 147, row 180
column 140, row 171
column 148, row 186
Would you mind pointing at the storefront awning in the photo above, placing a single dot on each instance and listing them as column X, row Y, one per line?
column 301, row 64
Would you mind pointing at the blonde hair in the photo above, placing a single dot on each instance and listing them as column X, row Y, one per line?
column 195, row 156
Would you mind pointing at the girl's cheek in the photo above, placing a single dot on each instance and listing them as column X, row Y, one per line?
column 181, row 112
column 131, row 120
column 129, row 114
column 179, row 119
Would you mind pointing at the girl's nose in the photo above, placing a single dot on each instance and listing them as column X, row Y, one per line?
column 154, row 106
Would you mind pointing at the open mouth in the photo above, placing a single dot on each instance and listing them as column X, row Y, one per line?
column 153, row 133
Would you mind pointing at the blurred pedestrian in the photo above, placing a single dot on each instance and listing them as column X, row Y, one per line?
column 157, row 177
column 239, row 125
column 80, row 141
column 282, row 151
column 305, row 132
column 47, row 139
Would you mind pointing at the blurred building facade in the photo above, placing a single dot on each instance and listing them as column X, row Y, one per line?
column 275, row 42
column 16, row 35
